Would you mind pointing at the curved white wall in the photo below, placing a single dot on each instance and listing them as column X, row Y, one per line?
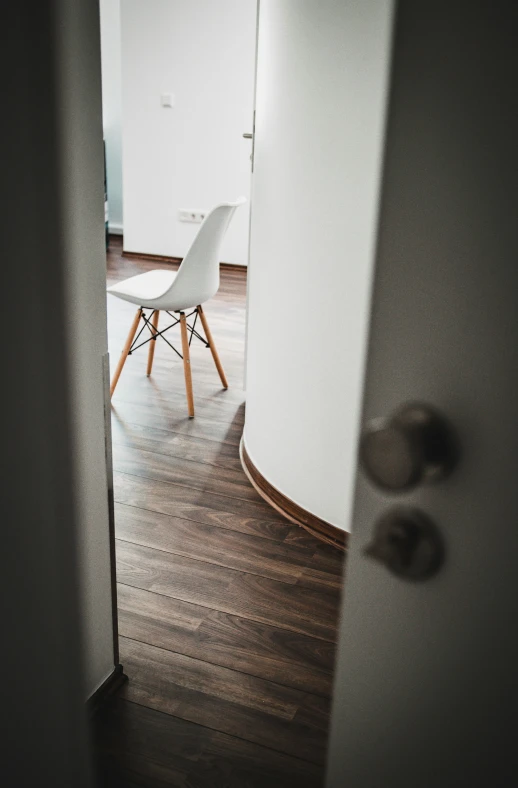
column 321, row 85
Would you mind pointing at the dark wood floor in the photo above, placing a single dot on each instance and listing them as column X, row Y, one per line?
column 227, row 612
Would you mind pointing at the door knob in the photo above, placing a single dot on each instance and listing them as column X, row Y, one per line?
column 416, row 444
column 407, row 543
column 248, row 136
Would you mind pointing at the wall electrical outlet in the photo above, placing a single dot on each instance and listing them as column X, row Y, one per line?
column 192, row 216
column 167, row 99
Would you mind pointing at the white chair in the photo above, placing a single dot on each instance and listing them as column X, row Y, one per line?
column 195, row 282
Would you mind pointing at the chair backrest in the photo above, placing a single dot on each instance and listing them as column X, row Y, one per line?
column 198, row 276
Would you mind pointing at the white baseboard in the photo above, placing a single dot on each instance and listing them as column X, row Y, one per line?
column 115, row 229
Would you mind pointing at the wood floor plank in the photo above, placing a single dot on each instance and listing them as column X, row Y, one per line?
column 230, row 762
column 234, row 642
column 171, row 403
column 166, row 378
column 152, row 665
column 146, row 494
column 328, row 559
column 198, row 476
column 219, row 546
column 178, row 447
column 198, row 506
column 180, row 493
column 315, row 712
column 259, row 599
column 139, row 746
column 325, row 570
column 136, row 771
column 321, row 575
column 223, row 700
column 299, row 536
column 312, row 577
column 154, row 749
column 177, row 422
column 163, row 393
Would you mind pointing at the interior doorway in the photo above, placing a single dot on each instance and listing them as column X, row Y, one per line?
column 227, row 611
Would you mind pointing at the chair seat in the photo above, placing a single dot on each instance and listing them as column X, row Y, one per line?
column 147, row 290
column 196, row 281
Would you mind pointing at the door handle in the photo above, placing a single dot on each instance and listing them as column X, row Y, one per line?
column 248, row 136
column 415, row 445
column 407, row 543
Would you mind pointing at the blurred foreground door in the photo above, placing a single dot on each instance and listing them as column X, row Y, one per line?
column 426, row 682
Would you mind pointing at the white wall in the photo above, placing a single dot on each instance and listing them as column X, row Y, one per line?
column 86, row 335
column 322, row 70
column 112, row 106
column 191, row 156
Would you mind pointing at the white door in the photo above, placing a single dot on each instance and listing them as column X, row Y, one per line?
column 426, row 674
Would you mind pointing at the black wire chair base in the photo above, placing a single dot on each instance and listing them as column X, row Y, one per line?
column 155, row 333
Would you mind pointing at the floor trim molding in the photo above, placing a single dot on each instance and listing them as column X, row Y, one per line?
column 110, row 685
column 162, row 258
column 292, row 511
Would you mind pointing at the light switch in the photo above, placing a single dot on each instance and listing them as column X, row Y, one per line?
column 167, row 100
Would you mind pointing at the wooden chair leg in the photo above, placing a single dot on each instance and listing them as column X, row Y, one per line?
column 152, row 344
column 212, row 346
column 125, row 351
column 187, row 365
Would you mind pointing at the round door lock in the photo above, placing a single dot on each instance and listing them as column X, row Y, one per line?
column 407, row 543
column 416, row 444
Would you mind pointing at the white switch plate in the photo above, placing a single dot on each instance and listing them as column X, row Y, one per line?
column 167, row 100
column 192, row 216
